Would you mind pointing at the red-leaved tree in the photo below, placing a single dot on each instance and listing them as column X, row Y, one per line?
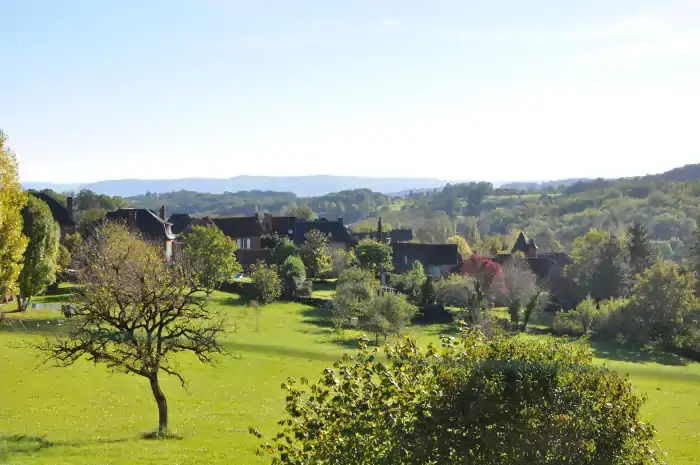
column 484, row 269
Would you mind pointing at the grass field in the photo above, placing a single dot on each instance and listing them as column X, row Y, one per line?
column 86, row 415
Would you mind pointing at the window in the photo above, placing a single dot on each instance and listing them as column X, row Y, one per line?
column 239, row 243
column 247, row 243
column 405, row 259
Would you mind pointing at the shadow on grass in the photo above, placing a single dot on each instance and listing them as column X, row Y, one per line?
column 156, row 436
column 317, row 316
column 279, row 351
column 21, row 444
column 622, row 353
column 33, row 325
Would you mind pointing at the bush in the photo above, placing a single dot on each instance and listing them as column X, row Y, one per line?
column 306, row 289
column 492, row 401
column 266, row 282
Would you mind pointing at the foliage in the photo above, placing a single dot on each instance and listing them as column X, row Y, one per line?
column 485, row 270
column 387, row 314
column 293, row 274
column 266, row 281
column 303, row 213
column 639, row 248
column 211, row 255
column 462, row 246
column 72, row 241
column 611, row 275
column 12, row 241
column 41, row 255
column 354, row 289
column 584, row 258
column 91, row 216
column 588, row 315
column 662, row 300
column 285, row 248
column 134, row 311
column 63, row 259
column 495, row 402
column 374, row 256
column 464, row 293
column 315, row 253
column 411, row 283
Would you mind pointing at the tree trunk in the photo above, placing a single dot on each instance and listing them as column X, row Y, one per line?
column 162, row 405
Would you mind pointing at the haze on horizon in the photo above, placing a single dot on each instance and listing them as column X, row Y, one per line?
column 492, row 90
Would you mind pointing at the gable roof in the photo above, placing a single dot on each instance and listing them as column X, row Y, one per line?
column 58, row 211
column 281, row 225
column 334, row 230
column 522, row 244
column 145, row 221
column 427, row 254
column 240, row 227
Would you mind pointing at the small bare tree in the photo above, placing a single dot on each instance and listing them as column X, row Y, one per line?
column 517, row 287
column 134, row 311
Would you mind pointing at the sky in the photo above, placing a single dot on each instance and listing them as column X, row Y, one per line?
column 452, row 89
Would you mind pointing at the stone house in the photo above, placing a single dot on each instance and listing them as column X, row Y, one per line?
column 437, row 259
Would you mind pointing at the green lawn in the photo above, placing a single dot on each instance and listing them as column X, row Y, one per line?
column 85, row 415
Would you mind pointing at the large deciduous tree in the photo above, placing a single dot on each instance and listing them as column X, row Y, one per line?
column 293, row 274
column 211, row 255
column 315, row 253
column 374, row 256
column 135, row 311
column 41, row 255
column 462, row 246
column 12, row 241
column 517, row 287
column 503, row 401
column 303, row 213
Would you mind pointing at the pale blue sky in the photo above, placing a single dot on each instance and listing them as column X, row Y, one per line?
column 455, row 89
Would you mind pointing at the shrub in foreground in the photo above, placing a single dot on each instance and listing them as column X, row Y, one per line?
column 477, row 400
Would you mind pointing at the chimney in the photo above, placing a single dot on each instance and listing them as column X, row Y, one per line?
column 131, row 222
column 69, row 207
column 340, row 220
column 162, row 213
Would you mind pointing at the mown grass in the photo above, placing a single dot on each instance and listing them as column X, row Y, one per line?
column 86, row 415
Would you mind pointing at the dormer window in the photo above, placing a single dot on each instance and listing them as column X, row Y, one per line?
column 330, row 235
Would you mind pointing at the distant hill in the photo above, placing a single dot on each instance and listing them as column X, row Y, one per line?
column 687, row 173
column 302, row 186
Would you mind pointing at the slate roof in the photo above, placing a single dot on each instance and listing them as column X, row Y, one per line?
column 401, row 235
column 522, row 244
column 334, row 230
column 281, row 225
column 148, row 223
column 240, row 227
column 426, row 254
column 58, row 211
column 180, row 221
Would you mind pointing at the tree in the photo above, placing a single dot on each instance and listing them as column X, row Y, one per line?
column 41, row 255
column 374, row 256
column 462, row 246
column 387, row 314
column 303, row 213
column 411, row 283
column 483, row 269
column 661, row 300
column 285, row 248
column 694, row 254
column 584, row 258
column 610, row 274
column 72, row 242
column 91, row 216
column 63, row 259
column 517, row 287
column 464, row 293
column 293, row 274
column 354, row 288
column 495, row 401
column 12, row 200
column 315, row 254
column 639, row 248
column 211, row 255
column 266, row 282
column 134, row 311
